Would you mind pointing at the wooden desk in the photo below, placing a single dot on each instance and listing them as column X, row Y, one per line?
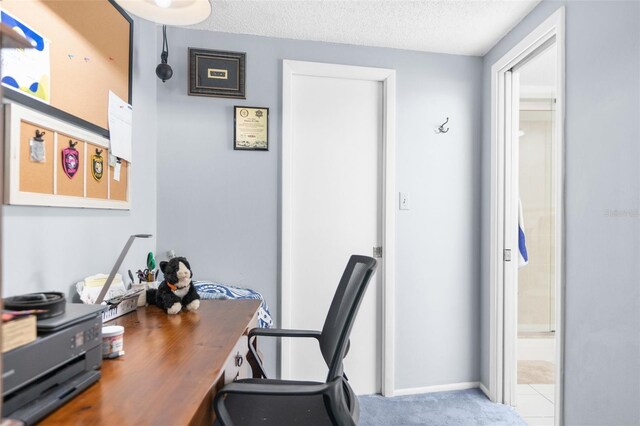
column 171, row 370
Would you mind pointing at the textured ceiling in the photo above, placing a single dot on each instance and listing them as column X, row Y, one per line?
column 464, row 27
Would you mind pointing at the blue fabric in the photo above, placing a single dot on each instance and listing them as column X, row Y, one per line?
column 523, row 256
column 210, row 290
column 522, row 245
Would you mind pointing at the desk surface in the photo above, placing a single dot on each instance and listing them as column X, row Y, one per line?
column 170, row 369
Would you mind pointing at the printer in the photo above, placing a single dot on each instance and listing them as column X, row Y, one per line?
column 64, row 360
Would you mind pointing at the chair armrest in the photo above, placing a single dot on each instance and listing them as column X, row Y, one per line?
column 280, row 332
column 255, row 361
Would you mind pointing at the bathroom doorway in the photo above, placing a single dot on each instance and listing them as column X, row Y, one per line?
column 526, row 234
column 537, row 278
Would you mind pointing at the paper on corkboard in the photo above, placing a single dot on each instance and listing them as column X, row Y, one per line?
column 36, row 176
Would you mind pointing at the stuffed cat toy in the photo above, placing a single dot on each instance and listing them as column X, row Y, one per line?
column 177, row 290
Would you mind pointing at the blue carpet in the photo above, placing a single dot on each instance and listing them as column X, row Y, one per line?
column 454, row 408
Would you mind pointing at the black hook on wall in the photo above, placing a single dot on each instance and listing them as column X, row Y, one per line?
column 441, row 129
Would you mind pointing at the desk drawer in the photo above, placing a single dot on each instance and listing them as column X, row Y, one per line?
column 237, row 366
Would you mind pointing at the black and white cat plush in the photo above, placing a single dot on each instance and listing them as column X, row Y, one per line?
column 177, row 290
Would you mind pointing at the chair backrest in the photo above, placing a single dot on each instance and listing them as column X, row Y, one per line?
column 334, row 340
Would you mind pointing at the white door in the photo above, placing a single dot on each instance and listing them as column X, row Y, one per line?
column 334, row 192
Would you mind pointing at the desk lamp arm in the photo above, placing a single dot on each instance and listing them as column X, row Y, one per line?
column 116, row 266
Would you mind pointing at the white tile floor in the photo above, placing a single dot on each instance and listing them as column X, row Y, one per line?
column 535, row 404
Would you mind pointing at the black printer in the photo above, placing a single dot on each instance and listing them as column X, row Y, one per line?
column 64, row 360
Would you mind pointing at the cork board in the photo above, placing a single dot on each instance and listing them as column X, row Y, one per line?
column 119, row 188
column 71, row 186
column 36, row 176
column 90, row 54
column 34, row 179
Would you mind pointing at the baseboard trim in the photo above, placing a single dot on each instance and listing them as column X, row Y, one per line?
column 437, row 388
column 484, row 390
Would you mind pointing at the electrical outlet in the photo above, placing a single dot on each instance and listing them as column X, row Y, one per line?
column 404, row 201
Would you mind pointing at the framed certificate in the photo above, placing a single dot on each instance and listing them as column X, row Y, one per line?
column 251, row 128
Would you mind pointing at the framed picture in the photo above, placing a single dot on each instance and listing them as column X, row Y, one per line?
column 217, row 73
column 251, row 128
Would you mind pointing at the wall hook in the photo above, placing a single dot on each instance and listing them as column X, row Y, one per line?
column 441, row 129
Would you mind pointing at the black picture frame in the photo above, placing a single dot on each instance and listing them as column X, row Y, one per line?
column 258, row 113
column 217, row 73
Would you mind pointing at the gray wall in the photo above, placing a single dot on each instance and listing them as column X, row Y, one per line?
column 47, row 248
column 220, row 207
column 602, row 305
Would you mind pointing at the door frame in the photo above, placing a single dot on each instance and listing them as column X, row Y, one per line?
column 388, row 79
column 503, row 302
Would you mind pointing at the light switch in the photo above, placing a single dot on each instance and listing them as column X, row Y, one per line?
column 404, row 201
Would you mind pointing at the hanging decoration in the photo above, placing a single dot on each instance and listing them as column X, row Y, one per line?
column 70, row 159
column 37, row 148
column 163, row 70
column 97, row 165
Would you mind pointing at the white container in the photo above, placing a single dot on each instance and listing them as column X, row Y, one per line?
column 114, row 311
column 142, row 299
column 112, row 341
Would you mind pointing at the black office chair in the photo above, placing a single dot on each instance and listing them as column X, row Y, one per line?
column 262, row 401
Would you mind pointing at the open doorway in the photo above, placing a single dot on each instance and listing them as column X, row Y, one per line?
column 537, row 279
column 526, row 271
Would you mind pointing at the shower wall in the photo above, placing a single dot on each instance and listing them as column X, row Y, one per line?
column 537, row 280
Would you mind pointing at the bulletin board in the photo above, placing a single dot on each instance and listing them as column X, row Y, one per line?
column 49, row 162
column 87, row 47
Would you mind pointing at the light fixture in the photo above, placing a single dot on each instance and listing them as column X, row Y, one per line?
column 169, row 12
column 115, row 268
column 163, row 70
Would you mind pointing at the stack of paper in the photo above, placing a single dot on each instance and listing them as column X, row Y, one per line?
column 18, row 331
column 90, row 288
column 99, row 280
